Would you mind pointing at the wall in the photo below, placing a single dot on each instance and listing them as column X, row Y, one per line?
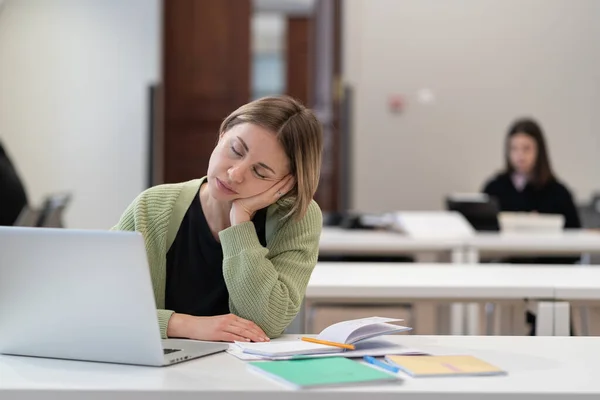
column 486, row 62
column 73, row 99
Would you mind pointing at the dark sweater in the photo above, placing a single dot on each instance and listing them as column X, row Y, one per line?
column 12, row 193
column 552, row 198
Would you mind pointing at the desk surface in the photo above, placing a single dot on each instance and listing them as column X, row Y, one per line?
column 447, row 281
column 581, row 285
column 368, row 242
column 566, row 242
column 536, row 366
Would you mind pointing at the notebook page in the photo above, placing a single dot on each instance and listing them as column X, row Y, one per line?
column 370, row 331
column 342, row 331
column 285, row 348
column 373, row 347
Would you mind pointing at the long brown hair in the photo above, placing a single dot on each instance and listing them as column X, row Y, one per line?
column 542, row 170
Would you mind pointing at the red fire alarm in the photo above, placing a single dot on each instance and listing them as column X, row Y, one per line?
column 396, row 104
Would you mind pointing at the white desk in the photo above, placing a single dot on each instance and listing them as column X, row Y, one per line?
column 582, row 285
column 377, row 281
column 343, row 283
column 333, row 283
column 566, row 243
column 574, row 242
column 468, row 250
column 340, row 242
column 337, row 241
column 576, row 289
column 538, row 367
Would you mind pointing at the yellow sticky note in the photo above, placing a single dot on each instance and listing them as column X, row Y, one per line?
column 420, row 366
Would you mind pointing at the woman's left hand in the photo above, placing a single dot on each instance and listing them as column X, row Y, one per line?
column 242, row 210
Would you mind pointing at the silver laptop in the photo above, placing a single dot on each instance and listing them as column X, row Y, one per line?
column 83, row 295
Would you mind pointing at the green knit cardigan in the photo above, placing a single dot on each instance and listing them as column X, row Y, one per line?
column 266, row 285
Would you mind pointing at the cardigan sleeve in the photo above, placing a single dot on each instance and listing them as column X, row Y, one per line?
column 140, row 216
column 267, row 285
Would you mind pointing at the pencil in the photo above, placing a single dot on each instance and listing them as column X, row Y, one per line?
column 325, row 342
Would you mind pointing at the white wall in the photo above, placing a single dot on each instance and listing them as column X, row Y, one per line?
column 487, row 62
column 73, row 99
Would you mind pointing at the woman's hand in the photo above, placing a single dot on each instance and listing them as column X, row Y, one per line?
column 242, row 210
column 222, row 328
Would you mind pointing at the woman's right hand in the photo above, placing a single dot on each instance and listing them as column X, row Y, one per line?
column 222, row 328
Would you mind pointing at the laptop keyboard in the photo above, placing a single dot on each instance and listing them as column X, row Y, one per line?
column 169, row 351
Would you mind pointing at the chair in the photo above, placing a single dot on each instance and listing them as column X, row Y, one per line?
column 52, row 210
column 28, row 217
column 47, row 216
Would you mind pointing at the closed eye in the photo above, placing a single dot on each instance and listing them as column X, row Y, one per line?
column 258, row 174
column 254, row 169
column 237, row 153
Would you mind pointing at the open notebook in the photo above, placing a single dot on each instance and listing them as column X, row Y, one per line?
column 348, row 332
column 370, row 347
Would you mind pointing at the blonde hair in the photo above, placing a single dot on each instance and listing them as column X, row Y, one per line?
column 300, row 134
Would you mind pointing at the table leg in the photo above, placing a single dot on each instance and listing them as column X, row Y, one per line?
column 562, row 318
column 457, row 319
column 545, row 318
column 584, row 312
column 490, row 313
column 471, row 256
column 457, row 256
column 467, row 313
column 472, row 321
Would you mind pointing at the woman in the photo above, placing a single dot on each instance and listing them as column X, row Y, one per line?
column 528, row 185
column 231, row 253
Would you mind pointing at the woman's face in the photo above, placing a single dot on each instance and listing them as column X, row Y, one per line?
column 522, row 153
column 247, row 161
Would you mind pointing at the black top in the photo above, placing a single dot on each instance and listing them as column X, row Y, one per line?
column 12, row 193
column 552, row 198
column 195, row 283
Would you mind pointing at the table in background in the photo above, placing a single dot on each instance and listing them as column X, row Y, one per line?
column 337, row 241
column 495, row 245
column 347, row 283
column 573, row 242
column 357, row 242
column 427, row 285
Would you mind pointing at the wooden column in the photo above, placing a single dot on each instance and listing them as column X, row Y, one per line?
column 206, row 75
column 299, row 58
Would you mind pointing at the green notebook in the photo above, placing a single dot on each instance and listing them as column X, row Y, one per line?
column 319, row 372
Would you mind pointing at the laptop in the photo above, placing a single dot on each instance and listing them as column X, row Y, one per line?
column 83, row 295
column 479, row 209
